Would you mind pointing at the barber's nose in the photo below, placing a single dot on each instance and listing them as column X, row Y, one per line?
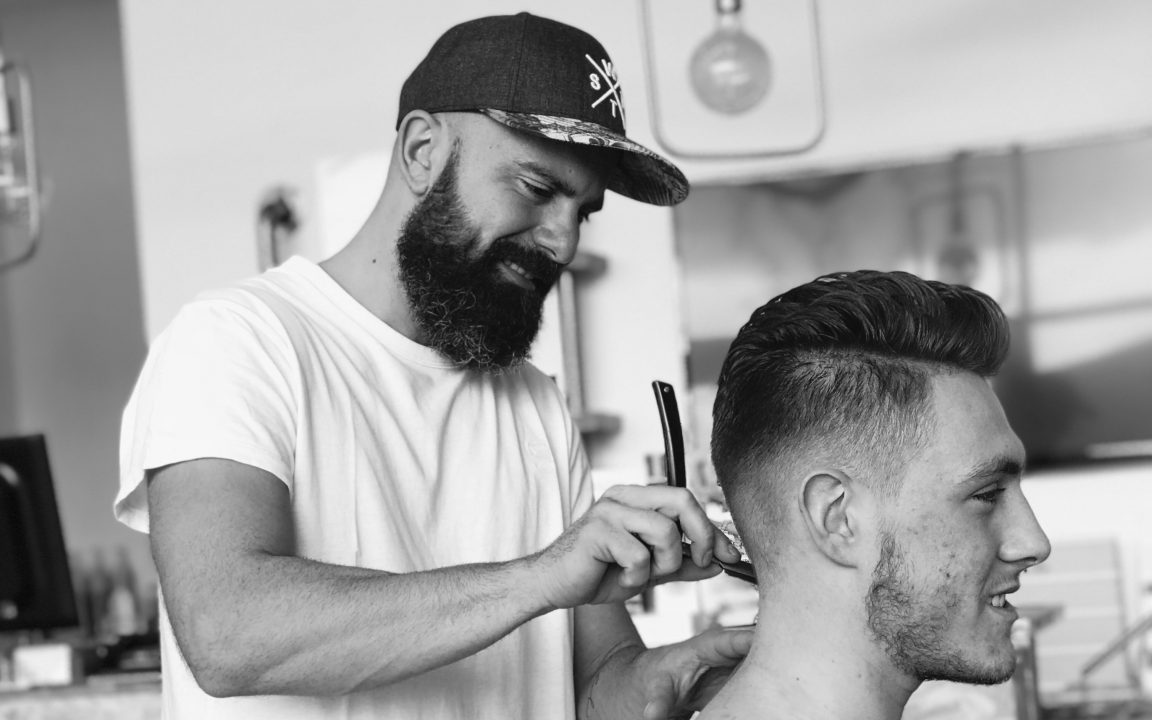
column 559, row 235
column 1025, row 542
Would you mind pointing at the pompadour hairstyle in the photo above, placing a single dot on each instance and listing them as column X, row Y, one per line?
column 841, row 366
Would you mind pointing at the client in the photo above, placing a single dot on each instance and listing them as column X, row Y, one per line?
column 875, row 481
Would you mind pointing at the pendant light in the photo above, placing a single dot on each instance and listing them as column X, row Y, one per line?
column 731, row 72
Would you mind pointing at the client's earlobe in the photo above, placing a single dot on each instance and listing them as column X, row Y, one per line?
column 826, row 500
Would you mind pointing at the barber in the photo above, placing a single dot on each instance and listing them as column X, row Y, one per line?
column 362, row 501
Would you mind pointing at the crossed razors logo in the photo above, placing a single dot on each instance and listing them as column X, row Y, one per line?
column 605, row 75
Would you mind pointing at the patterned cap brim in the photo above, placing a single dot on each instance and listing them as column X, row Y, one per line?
column 641, row 174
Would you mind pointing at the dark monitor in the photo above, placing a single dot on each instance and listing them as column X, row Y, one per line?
column 1074, row 396
column 35, row 582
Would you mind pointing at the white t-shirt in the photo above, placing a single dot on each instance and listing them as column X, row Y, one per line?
column 395, row 459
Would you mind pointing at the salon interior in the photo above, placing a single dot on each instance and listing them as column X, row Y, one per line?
column 152, row 150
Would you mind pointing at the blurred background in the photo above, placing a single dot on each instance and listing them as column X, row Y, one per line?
column 152, row 150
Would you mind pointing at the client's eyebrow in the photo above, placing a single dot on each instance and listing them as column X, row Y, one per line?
column 993, row 469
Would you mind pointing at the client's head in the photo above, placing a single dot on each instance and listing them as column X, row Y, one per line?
column 870, row 469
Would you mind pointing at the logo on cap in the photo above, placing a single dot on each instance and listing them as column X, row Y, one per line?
column 606, row 75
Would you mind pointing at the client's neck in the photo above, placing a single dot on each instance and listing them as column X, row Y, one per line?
column 811, row 663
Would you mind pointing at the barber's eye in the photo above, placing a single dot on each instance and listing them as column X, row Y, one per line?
column 540, row 191
column 989, row 496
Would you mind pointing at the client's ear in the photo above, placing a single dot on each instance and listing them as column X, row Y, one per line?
column 827, row 507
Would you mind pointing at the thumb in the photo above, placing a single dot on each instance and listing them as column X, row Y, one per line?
column 661, row 698
column 724, row 647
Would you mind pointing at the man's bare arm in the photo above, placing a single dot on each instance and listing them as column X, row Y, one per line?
column 606, row 646
column 618, row 677
column 253, row 618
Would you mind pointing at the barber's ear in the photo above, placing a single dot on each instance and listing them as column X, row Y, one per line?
column 419, row 136
column 829, row 512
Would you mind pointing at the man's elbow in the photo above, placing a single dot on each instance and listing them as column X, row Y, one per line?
column 219, row 658
column 219, row 678
column 218, row 683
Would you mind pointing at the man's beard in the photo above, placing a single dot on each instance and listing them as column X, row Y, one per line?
column 913, row 626
column 464, row 307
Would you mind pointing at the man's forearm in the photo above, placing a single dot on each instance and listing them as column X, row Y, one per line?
column 613, row 692
column 285, row 625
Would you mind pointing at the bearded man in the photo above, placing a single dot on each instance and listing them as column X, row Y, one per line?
column 875, row 482
column 362, row 501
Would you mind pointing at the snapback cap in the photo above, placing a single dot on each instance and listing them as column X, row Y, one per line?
column 544, row 77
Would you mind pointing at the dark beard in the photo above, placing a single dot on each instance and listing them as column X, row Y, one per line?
column 465, row 308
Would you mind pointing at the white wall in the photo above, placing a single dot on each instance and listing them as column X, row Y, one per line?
column 1108, row 502
column 74, row 341
column 7, row 392
column 916, row 80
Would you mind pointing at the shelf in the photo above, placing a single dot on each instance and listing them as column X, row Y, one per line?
column 597, row 423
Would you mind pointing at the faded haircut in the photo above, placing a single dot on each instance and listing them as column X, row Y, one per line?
column 839, row 369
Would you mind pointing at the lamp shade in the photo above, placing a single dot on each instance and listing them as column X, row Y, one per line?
column 730, row 71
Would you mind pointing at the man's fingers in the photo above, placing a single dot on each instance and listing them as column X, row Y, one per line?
column 644, row 544
column 661, row 535
column 680, row 506
column 724, row 647
column 690, row 572
column 657, row 533
column 632, row 556
column 725, row 550
column 629, row 539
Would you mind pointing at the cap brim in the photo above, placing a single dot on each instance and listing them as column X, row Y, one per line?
column 641, row 174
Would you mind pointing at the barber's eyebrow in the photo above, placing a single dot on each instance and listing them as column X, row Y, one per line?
column 994, row 468
column 562, row 186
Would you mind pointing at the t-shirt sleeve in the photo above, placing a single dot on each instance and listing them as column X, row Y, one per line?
column 217, row 383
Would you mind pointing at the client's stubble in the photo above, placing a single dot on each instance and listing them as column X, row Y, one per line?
column 913, row 626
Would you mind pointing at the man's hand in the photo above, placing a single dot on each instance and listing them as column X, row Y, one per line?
column 682, row 678
column 628, row 541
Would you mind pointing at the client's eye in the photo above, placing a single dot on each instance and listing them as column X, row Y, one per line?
column 989, row 496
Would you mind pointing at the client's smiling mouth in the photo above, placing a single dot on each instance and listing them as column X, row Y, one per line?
column 1000, row 599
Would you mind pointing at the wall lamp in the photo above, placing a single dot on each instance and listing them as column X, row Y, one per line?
column 20, row 199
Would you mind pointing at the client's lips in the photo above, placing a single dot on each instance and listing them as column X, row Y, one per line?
column 1000, row 599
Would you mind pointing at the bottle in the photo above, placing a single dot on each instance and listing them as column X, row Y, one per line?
column 99, row 584
column 125, row 572
column 150, row 608
column 1024, row 682
column 123, row 603
column 81, row 592
column 655, row 469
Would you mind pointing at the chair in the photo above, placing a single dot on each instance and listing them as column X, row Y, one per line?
column 1087, row 662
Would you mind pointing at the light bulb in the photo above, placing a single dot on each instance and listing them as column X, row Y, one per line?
column 730, row 71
